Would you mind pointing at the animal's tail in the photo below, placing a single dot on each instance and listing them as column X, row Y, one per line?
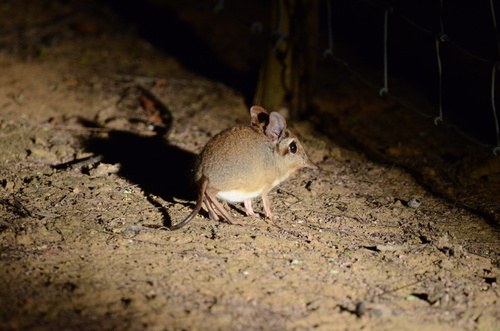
column 196, row 210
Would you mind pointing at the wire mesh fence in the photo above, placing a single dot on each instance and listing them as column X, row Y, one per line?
column 449, row 50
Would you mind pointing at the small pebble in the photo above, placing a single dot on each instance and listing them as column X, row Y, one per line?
column 361, row 309
column 414, row 203
column 134, row 229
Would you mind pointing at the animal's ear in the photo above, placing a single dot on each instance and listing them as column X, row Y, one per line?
column 276, row 127
column 259, row 116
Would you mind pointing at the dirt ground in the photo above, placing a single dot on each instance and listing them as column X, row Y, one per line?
column 359, row 244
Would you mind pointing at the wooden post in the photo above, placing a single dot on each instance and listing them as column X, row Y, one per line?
column 286, row 76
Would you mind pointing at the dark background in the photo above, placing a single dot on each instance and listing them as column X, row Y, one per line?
column 467, row 57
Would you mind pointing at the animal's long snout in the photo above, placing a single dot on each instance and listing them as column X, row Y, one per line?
column 310, row 164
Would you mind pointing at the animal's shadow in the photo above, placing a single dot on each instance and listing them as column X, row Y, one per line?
column 158, row 168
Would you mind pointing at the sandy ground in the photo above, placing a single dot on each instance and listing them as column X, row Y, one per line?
column 358, row 244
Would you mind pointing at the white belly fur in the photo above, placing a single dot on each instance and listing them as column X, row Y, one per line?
column 237, row 196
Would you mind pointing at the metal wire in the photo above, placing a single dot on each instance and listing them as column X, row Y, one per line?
column 496, row 150
column 329, row 51
column 385, row 90
column 493, row 17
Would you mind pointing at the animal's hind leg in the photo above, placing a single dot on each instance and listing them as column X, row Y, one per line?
column 211, row 212
column 211, row 196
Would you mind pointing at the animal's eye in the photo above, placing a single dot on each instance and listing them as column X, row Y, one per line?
column 292, row 147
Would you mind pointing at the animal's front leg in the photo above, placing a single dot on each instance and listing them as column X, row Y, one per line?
column 248, row 208
column 267, row 207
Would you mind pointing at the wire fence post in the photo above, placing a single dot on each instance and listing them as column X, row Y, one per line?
column 285, row 78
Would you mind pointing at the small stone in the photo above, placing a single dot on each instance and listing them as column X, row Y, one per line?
column 104, row 169
column 361, row 309
column 9, row 186
column 414, row 203
column 42, row 154
column 134, row 229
